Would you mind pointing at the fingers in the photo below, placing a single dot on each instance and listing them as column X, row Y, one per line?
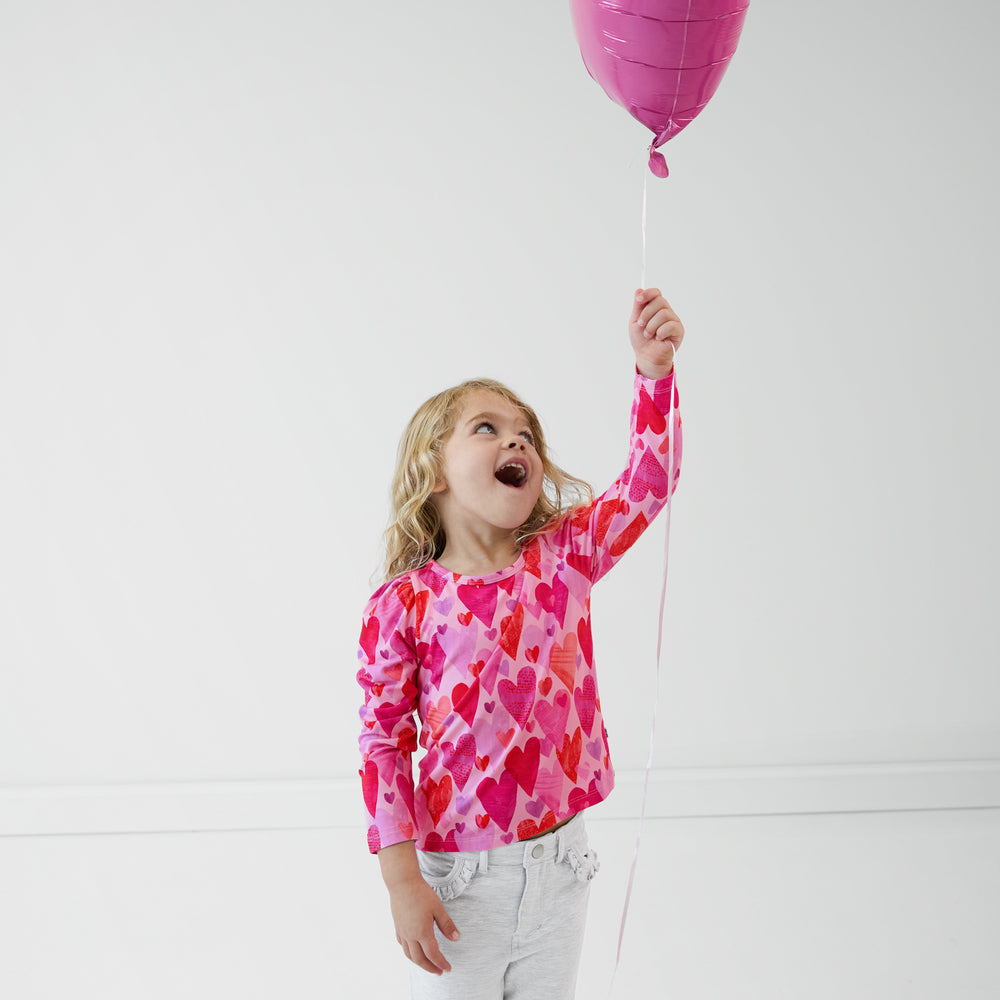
column 642, row 296
column 427, row 955
column 655, row 333
column 424, row 951
column 648, row 304
column 657, row 320
column 663, row 325
column 447, row 925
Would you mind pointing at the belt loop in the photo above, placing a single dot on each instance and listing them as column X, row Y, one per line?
column 484, row 863
column 561, row 845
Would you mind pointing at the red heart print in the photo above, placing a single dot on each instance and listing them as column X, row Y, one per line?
column 586, row 639
column 648, row 415
column 584, row 565
column 532, row 558
column 405, row 594
column 605, row 516
column 529, row 828
column 422, row 601
column 482, row 821
column 438, row 796
column 435, row 842
column 481, row 601
column 545, row 686
column 523, row 764
column 465, row 699
column 625, row 540
column 465, row 617
column 369, row 637
column 510, row 632
column 531, row 654
column 578, row 798
column 562, row 660
column 506, row 737
column 369, row 785
column 518, row 698
column 569, row 753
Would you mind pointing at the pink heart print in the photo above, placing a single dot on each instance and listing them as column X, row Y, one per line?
column 518, row 698
column 586, row 702
column 459, row 759
column 552, row 717
column 499, row 797
column 648, row 478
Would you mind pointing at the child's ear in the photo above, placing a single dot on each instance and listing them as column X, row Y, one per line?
column 440, row 486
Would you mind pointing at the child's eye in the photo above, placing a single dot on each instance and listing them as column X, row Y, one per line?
column 485, row 425
column 528, row 436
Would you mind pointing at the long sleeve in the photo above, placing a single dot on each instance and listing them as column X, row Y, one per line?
column 603, row 531
column 388, row 738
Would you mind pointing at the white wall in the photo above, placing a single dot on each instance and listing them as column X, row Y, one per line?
column 239, row 245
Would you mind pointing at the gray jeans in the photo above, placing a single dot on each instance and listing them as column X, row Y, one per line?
column 521, row 911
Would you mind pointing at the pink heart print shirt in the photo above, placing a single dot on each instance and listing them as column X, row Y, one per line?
column 499, row 669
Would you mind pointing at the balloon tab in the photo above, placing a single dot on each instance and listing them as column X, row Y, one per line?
column 658, row 164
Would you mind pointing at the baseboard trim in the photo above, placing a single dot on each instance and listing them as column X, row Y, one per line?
column 673, row 793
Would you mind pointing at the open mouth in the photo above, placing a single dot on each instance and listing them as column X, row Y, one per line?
column 512, row 474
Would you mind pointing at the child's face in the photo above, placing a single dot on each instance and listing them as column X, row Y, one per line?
column 491, row 475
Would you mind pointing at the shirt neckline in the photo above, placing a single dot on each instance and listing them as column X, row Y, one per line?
column 482, row 580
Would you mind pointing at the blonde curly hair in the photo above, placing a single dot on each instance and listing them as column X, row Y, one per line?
column 415, row 534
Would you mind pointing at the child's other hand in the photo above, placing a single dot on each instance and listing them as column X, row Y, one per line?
column 655, row 332
column 416, row 908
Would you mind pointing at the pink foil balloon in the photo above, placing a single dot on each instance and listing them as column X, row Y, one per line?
column 661, row 60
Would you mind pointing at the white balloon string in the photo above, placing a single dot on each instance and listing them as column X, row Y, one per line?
column 645, row 181
column 656, row 692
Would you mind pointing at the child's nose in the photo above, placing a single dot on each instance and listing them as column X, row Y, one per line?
column 515, row 442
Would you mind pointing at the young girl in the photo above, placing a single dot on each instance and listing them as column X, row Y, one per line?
column 483, row 631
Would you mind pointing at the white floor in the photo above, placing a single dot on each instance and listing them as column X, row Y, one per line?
column 854, row 907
